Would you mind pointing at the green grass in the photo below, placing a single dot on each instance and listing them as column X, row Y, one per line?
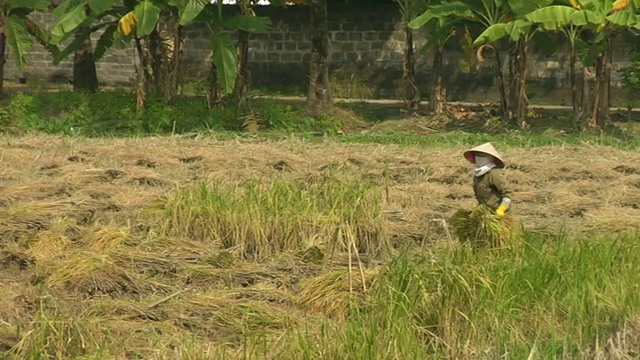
column 113, row 113
column 553, row 299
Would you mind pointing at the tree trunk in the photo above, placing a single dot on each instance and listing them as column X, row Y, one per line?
column 3, row 60
column 214, row 94
column 575, row 94
column 85, row 77
column 411, row 93
column 241, row 89
column 517, row 83
column 502, row 92
column 594, row 117
column 165, row 50
column 586, row 101
column 143, row 76
column 319, row 96
column 605, row 109
column 602, row 97
column 437, row 102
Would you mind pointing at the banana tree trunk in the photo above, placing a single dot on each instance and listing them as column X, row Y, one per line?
column 164, row 48
column 319, row 99
column 502, row 92
column 411, row 93
column 3, row 60
column 594, row 117
column 605, row 109
column 517, row 113
column 575, row 93
column 214, row 93
column 437, row 103
column 241, row 89
column 143, row 75
column 85, row 77
column 602, row 100
column 586, row 101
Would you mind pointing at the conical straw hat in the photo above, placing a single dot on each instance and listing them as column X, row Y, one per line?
column 487, row 149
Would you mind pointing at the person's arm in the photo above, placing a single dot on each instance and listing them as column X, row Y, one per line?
column 501, row 184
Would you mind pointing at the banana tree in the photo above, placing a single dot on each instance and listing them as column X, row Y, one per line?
column 486, row 13
column 441, row 29
column 155, row 27
column 319, row 97
column 558, row 18
column 499, row 18
column 18, row 31
column 590, row 25
column 520, row 32
column 242, row 81
column 80, row 19
column 225, row 67
column 410, row 9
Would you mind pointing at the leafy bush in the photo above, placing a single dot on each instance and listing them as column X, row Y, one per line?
column 630, row 78
column 114, row 112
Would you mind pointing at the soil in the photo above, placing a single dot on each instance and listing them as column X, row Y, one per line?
column 63, row 201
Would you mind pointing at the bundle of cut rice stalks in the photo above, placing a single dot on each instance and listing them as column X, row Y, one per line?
column 482, row 228
column 334, row 293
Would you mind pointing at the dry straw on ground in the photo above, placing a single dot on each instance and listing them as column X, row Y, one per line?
column 75, row 220
column 333, row 293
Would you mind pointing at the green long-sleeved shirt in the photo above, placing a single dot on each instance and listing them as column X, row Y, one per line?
column 491, row 188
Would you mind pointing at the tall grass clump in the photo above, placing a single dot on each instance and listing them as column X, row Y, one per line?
column 57, row 333
column 551, row 298
column 263, row 219
column 383, row 325
column 554, row 297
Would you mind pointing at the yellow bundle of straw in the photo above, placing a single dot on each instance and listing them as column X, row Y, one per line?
column 482, row 228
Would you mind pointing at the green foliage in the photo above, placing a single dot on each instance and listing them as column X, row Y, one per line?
column 291, row 118
column 191, row 10
column 225, row 59
column 148, row 15
column 67, row 112
column 14, row 16
column 630, row 78
column 222, row 45
column 553, row 298
column 74, row 20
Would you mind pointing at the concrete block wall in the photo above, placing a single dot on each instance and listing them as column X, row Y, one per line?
column 366, row 43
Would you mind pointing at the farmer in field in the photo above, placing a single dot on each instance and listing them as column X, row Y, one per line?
column 489, row 224
column 490, row 184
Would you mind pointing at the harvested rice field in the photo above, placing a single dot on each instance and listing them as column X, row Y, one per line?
column 197, row 248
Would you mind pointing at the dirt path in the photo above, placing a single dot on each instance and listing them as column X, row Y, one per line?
column 399, row 103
